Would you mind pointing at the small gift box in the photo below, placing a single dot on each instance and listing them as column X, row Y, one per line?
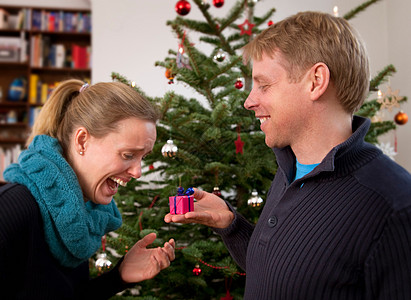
column 181, row 203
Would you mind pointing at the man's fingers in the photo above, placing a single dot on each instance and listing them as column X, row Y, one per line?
column 169, row 249
column 198, row 194
column 147, row 240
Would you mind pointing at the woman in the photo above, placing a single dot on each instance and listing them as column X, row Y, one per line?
column 58, row 203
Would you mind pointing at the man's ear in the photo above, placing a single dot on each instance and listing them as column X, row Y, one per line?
column 320, row 79
column 81, row 138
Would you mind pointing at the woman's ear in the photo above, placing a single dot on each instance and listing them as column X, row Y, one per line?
column 320, row 79
column 81, row 138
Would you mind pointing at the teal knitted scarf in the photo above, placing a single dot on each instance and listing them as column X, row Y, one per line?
column 73, row 228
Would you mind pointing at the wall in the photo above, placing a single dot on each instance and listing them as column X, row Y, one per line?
column 50, row 3
column 130, row 35
column 399, row 50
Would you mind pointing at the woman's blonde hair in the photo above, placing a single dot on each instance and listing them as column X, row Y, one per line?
column 98, row 108
column 311, row 37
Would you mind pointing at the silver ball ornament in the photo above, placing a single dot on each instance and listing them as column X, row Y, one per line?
column 102, row 263
column 169, row 149
column 219, row 56
column 255, row 200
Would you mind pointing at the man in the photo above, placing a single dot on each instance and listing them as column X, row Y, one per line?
column 337, row 219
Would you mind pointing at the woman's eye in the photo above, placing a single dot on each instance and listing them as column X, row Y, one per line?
column 128, row 156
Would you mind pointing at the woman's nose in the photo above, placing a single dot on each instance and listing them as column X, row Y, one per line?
column 135, row 170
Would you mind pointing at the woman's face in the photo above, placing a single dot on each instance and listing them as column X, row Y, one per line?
column 112, row 160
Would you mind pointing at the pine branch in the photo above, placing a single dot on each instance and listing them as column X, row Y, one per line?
column 377, row 129
column 260, row 20
column 233, row 15
column 207, row 16
column 382, row 77
column 352, row 13
column 369, row 109
column 195, row 25
column 117, row 77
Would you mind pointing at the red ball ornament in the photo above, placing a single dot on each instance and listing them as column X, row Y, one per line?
column 197, row 270
column 216, row 191
column 183, row 7
column 401, row 118
column 238, row 84
column 270, row 23
column 218, row 3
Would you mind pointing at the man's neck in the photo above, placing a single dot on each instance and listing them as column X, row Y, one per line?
column 320, row 138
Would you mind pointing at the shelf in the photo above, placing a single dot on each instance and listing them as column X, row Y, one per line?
column 17, row 125
column 68, row 33
column 12, row 104
column 53, row 69
column 18, row 32
column 53, row 36
column 12, row 141
column 13, row 64
column 11, row 32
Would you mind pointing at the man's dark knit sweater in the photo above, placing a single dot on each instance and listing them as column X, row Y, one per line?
column 27, row 268
column 342, row 231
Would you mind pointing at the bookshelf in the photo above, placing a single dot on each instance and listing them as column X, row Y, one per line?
column 39, row 47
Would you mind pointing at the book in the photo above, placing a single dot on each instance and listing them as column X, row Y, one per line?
column 59, row 55
column 33, row 113
column 46, row 51
column 2, row 163
column 36, row 54
column 80, row 56
column 27, row 19
column 51, row 20
column 4, row 16
column 20, row 20
column 33, row 82
column 7, row 157
column 36, row 19
column 44, row 93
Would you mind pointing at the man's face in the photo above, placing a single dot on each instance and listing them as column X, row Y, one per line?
column 277, row 102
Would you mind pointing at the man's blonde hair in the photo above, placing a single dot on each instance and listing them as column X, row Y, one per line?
column 307, row 38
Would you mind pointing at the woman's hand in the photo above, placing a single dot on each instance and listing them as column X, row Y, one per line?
column 209, row 210
column 141, row 263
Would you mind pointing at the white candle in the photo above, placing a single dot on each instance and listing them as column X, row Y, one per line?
column 335, row 10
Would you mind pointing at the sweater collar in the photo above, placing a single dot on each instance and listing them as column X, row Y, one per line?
column 341, row 160
column 72, row 228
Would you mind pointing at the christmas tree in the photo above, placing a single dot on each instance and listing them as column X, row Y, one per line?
column 211, row 142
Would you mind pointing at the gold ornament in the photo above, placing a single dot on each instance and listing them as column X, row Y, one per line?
column 390, row 99
column 401, row 118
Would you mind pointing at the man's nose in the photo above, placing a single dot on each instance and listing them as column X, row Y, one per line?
column 249, row 102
